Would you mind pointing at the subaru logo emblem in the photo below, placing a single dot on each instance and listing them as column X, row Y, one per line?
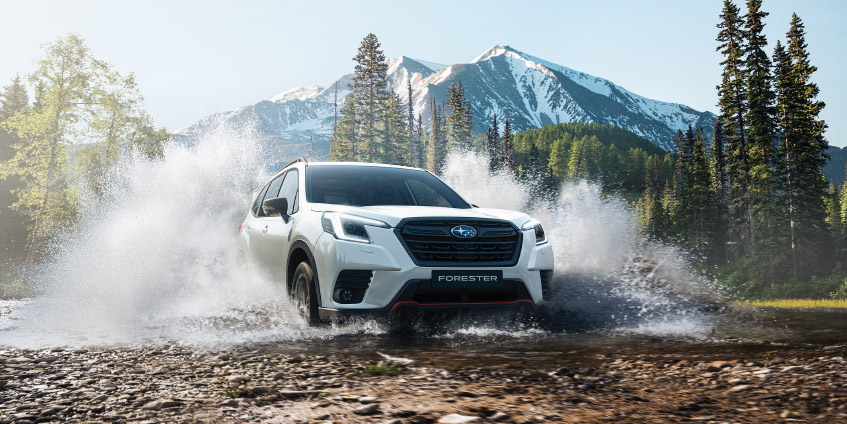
column 463, row 231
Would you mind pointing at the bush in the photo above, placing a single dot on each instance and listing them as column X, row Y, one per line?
column 840, row 293
column 742, row 284
column 382, row 368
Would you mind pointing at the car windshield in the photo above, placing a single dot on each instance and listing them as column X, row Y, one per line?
column 376, row 186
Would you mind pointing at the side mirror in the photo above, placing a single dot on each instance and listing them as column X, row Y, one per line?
column 277, row 206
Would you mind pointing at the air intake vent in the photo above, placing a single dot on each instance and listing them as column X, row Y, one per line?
column 432, row 242
column 351, row 284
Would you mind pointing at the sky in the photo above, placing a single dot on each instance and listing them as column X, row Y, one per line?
column 195, row 58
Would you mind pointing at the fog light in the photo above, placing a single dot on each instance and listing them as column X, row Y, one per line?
column 345, row 295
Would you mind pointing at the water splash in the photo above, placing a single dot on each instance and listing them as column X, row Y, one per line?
column 607, row 276
column 154, row 262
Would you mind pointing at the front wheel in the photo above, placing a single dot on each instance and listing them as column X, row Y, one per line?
column 304, row 294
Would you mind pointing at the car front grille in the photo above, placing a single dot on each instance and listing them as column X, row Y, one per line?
column 430, row 242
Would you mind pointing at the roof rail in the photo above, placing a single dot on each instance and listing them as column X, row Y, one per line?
column 300, row 159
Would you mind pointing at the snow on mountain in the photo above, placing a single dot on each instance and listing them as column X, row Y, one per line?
column 298, row 93
column 529, row 91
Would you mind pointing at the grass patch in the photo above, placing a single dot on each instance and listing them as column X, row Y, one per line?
column 381, row 368
column 240, row 393
column 800, row 303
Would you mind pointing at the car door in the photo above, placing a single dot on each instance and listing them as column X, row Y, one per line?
column 261, row 224
column 275, row 233
column 250, row 234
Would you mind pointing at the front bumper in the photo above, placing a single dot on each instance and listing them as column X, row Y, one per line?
column 417, row 295
column 399, row 283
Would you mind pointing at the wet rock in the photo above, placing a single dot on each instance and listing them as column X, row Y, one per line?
column 160, row 404
column 259, row 390
column 367, row 409
column 790, row 414
column 717, row 366
column 499, row 416
column 237, row 379
column 232, row 403
column 404, row 413
column 51, row 410
column 457, row 419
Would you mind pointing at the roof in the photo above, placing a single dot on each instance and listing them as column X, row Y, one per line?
column 382, row 165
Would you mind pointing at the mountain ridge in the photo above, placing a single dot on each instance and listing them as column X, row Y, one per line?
column 529, row 91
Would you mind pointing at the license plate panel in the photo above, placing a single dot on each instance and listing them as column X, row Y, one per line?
column 467, row 278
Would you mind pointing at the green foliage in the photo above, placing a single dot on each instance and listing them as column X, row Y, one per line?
column 459, row 119
column 740, row 279
column 840, row 292
column 437, row 146
column 611, row 155
column 372, row 127
column 78, row 100
column 768, row 151
column 13, row 224
column 382, row 368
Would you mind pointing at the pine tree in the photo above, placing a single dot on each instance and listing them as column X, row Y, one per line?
column 493, row 147
column 719, row 180
column 437, row 140
column 559, row 157
column 766, row 239
column 651, row 210
column 13, row 99
column 842, row 201
column 732, row 102
column 413, row 139
column 683, row 213
column 344, row 141
column 832, row 204
column 457, row 132
column 802, row 150
column 704, row 208
column 468, row 124
column 508, row 150
column 421, row 144
column 394, row 146
column 370, row 89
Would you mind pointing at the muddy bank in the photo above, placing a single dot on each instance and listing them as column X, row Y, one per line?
column 644, row 382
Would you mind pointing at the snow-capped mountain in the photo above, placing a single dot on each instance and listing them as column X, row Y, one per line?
column 529, row 91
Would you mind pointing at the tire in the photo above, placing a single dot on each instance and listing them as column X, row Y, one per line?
column 304, row 297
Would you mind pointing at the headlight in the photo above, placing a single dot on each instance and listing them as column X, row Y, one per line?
column 540, row 237
column 349, row 227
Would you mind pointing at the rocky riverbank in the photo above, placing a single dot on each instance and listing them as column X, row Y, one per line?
column 704, row 383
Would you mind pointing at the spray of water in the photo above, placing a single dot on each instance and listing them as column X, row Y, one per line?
column 607, row 276
column 153, row 262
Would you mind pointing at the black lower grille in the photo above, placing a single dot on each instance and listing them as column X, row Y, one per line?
column 351, row 284
column 431, row 242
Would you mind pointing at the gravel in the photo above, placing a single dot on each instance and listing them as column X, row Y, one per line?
column 182, row 384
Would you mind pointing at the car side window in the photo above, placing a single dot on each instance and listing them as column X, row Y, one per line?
column 289, row 190
column 271, row 192
column 257, row 204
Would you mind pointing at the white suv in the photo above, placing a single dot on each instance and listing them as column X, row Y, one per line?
column 362, row 238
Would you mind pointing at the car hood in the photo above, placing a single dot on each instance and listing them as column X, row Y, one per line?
column 392, row 215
